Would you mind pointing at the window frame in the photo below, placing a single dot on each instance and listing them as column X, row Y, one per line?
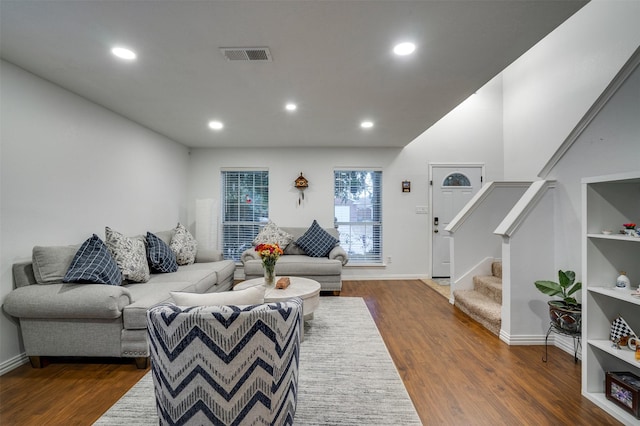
column 359, row 255
column 246, row 230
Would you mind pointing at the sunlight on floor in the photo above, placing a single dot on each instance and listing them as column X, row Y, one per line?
column 441, row 285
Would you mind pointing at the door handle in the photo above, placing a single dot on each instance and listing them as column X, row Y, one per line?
column 435, row 221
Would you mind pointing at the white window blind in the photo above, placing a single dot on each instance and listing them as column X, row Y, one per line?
column 245, row 208
column 358, row 213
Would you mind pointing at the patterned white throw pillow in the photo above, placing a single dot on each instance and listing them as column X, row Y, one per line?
column 249, row 296
column 271, row 234
column 184, row 246
column 130, row 255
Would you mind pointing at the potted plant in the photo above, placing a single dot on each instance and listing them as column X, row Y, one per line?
column 565, row 314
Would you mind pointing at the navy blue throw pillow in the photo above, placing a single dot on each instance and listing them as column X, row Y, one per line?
column 93, row 264
column 161, row 258
column 316, row 242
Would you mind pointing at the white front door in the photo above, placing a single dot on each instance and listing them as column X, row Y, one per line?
column 451, row 188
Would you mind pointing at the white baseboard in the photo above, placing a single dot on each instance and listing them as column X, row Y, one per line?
column 13, row 363
column 384, row 277
column 564, row 343
column 352, row 274
column 523, row 340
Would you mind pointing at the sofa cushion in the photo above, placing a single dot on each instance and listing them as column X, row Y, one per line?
column 147, row 295
column 316, row 242
column 208, row 255
column 51, row 263
column 93, row 264
column 272, row 234
column 184, row 246
column 224, row 269
column 130, row 255
column 165, row 236
column 195, row 278
column 293, row 249
column 201, row 279
column 249, row 296
column 161, row 258
column 297, row 266
column 67, row 301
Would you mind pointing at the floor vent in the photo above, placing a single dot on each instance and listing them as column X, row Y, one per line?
column 246, row 53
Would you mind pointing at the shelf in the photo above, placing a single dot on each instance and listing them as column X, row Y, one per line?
column 607, row 203
column 617, row 237
column 601, row 400
column 625, row 355
column 624, row 295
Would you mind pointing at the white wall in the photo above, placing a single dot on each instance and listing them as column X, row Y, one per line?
column 609, row 145
column 549, row 88
column 70, row 168
column 470, row 133
column 530, row 252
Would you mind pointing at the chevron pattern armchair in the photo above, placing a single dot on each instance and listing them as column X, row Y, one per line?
column 226, row 365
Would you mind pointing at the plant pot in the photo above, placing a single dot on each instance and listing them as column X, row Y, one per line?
column 565, row 317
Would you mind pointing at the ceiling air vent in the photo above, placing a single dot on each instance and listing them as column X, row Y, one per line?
column 246, row 53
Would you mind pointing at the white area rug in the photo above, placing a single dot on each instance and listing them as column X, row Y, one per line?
column 346, row 377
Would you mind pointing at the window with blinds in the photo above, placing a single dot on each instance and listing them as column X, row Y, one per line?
column 358, row 213
column 245, row 209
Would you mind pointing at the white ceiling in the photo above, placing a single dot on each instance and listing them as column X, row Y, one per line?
column 331, row 57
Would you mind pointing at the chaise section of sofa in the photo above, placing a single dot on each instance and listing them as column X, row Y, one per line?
column 295, row 262
column 99, row 320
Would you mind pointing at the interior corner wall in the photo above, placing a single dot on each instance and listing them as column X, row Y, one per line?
column 549, row 88
column 469, row 133
column 68, row 169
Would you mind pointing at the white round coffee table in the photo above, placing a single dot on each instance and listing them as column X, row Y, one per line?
column 306, row 289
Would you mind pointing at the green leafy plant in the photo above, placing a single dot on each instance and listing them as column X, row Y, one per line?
column 564, row 288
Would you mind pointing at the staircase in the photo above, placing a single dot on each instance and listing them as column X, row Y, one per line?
column 484, row 302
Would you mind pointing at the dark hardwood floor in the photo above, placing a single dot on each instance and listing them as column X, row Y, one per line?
column 456, row 372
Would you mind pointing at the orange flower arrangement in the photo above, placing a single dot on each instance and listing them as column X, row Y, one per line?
column 269, row 254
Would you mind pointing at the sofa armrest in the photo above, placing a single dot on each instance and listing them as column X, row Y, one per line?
column 340, row 254
column 67, row 301
column 249, row 254
column 208, row 255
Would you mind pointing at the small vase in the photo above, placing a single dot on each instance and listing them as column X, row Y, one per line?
column 269, row 276
column 622, row 282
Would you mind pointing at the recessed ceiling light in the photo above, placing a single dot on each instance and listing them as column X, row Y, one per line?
column 367, row 124
column 291, row 106
column 216, row 125
column 124, row 53
column 404, row 49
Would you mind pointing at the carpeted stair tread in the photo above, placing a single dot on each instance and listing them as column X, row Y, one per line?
column 480, row 307
column 490, row 286
column 496, row 269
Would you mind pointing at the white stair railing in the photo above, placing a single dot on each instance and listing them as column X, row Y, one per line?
column 527, row 233
column 473, row 242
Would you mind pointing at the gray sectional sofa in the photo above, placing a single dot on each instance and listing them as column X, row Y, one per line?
column 295, row 262
column 98, row 320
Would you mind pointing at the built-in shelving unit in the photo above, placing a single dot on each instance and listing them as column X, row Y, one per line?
column 607, row 203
